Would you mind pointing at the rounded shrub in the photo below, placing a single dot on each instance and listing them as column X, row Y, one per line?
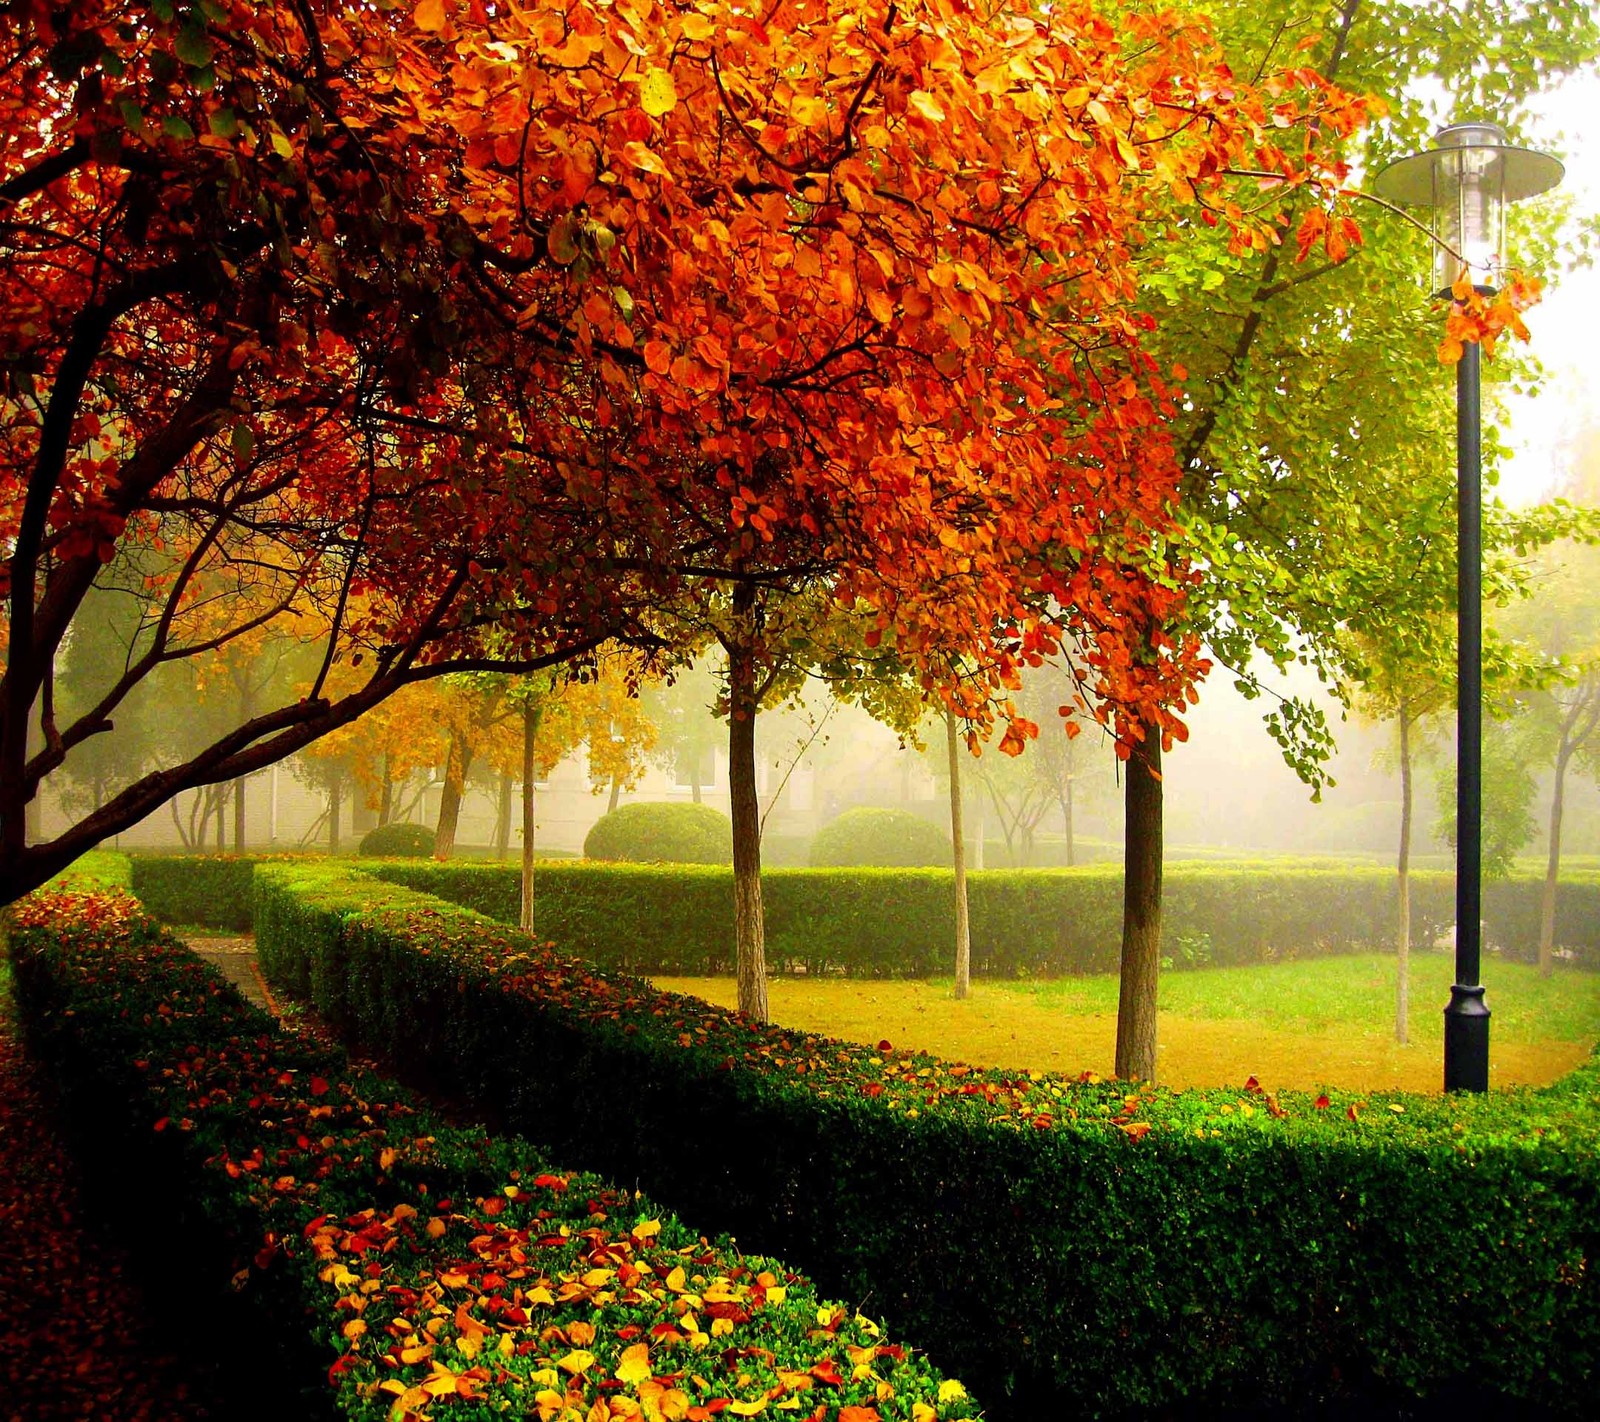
column 896, row 839
column 662, row 833
column 400, row 841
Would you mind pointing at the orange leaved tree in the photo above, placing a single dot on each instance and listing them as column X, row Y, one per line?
column 429, row 320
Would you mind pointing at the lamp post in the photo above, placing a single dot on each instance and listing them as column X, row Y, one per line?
column 1465, row 182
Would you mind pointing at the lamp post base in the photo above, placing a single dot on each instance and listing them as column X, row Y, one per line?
column 1466, row 1040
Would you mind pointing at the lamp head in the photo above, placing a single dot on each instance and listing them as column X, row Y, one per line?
column 1465, row 181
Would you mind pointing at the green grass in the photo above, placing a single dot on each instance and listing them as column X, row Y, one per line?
column 1355, row 991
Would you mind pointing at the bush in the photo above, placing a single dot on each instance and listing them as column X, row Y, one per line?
column 1081, row 1247
column 887, row 838
column 662, row 833
column 398, row 841
column 335, row 1206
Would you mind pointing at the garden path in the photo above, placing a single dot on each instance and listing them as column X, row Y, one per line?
column 235, row 958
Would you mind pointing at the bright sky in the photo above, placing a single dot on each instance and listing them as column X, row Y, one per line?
column 1566, row 324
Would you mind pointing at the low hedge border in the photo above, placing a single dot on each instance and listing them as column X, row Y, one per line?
column 400, row 1260
column 1089, row 1245
column 883, row 923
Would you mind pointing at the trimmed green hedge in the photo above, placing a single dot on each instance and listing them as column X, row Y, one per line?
column 368, row 1260
column 891, row 839
column 662, row 832
column 1076, row 1247
column 201, row 890
column 900, row 922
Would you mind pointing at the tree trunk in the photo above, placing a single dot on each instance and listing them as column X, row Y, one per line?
column 455, row 783
column 959, row 851
column 1402, row 990
column 1066, row 812
column 694, row 775
column 502, row 817
column 532, row 714
column 616, row 794
column 1552, row 871
column 749, row 930
column 1141, row 911
column 335, row 811
column 386, row 804
column 238, row 815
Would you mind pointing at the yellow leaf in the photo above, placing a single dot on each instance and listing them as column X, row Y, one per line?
column 420, row 1354
column 658, row 95
column 643, row 158
column 635, row 1365
column 921, row 1412
column 646, row 1228
column 749, row 1409
column 697, row 27
column 676, row 1280
column 951, row 1391
column 777, row 1295
column 577, row 1361
column 436, row 1227
column 392, row 1385
column 354, row 1329
column 926, row 105
column 430, row 15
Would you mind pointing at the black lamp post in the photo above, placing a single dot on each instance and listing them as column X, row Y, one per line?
column 1465, row 182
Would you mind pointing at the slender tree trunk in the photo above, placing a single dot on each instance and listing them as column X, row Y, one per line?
column 1141, row 911
column 456, row 766
column 1402, row 990
column 335, row 810
column 749, row 928
column 1066, row 817
column 616, row 794
column 959, row 851
column 238, row 815
column 532, row 714
column 1552, row 870
column 502, row 817
column 694, row 775
column 386, row 804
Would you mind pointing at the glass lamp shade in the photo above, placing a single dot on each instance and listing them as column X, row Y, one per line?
column 1465, row 182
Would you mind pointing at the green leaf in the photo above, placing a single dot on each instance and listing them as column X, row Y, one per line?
column 193, row 47
column 132, row 115
column 178, row 128
column 224, row 123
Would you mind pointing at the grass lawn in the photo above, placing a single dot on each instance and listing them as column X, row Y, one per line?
column 1305, row 1025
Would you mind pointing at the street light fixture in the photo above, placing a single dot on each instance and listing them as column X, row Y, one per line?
column 1465, row 182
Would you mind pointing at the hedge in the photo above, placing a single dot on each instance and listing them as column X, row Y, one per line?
column 392, row 1261
column 199, row 890
column 1077, row 1247
column 899, row 922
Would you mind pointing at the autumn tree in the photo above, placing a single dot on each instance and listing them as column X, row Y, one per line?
column 443, row 320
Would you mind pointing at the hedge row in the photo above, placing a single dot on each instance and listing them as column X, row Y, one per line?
column 197, row 890
column 1070, row 1246
column 899, row 922
column 394, row 1262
